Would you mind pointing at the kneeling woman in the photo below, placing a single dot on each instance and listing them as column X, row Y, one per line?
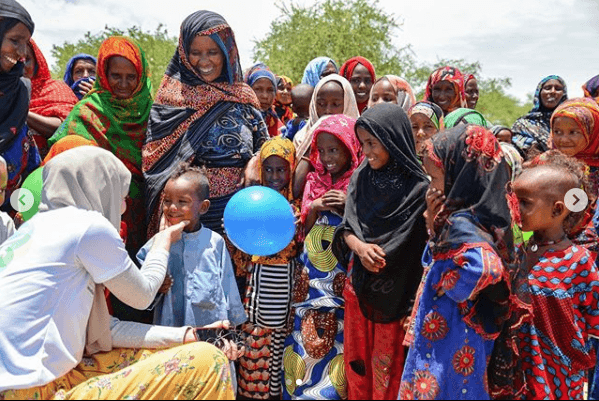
column 52, row 306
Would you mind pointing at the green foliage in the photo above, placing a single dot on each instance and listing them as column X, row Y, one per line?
column 342, row 29
column 158, row 46
column 336, row 28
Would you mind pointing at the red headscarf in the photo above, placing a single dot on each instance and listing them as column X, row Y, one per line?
column 585, row 112
column 450, row 74
column 320, row 181
column 347, row 70
column 49, row 97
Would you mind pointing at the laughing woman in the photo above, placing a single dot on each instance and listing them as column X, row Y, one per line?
column 16, row 144
column 533, row 129
column 115, row 116
column 446, row 88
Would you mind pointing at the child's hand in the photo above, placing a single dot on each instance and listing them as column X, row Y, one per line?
column 434, row 204
column 372, row 257
column 334, row 199
column 166, row 285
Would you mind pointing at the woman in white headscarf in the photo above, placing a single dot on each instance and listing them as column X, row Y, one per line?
column 57, row 338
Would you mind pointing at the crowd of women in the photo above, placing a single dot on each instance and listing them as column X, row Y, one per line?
column 434, row 258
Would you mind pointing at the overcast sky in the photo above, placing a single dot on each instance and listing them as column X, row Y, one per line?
column 524, row 40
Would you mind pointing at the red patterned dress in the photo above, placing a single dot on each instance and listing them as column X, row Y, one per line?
column 564, row 286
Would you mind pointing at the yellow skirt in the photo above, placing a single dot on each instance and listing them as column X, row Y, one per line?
column 196, row 371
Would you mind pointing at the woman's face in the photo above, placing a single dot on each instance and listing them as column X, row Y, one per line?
column 330, row 99
column 83, row 69
column 567, row 136
column 122, row 77
column 284, row 93
column 383, row 92
column 265, row 92
column 445, row 96
column 361, row 83
column 14, row 46
column 422, row 129
column 551, row 93
column 206, row 58
column 472, row 93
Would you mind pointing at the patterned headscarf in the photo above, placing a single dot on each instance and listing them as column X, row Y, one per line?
column 450, row 74
column 585, row 112
column 320, row 181
column 465, row 116
column 282, row 147
column 68, row 74
column 257, row 72
column 591, row 88
column 315, row 68
column 535, row 126
column 49, row 98
column 431, row 111
column 405, row 93
column 350, row 109
column 117, row 125
column 347, row 70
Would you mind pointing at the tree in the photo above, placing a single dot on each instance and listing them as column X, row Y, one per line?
column 158, row 46
column 335, row 28
column 344, row 29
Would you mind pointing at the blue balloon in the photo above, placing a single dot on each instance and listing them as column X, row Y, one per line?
column 259, row 221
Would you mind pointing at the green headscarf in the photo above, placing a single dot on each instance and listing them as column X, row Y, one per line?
column 465, row 116
column 117, row 125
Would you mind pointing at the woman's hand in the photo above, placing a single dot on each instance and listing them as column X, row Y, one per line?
column 166, row 284
column 372, row 257
column 434, row 204
column 251, row 175
column 230, row 349
column 85, row 87
column 169, row 235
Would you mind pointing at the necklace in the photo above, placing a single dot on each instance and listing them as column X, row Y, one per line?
column 535, row 246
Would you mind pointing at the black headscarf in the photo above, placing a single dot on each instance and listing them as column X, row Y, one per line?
column 385, row 207
column 14, row 92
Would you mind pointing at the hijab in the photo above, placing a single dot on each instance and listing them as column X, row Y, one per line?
column 257, row 72
column 320, row 181
column 347, row 70
column 465, row 116
column 67, row 143
column 431, row 111
column 117, row 125
column 314, row 70
column 585, row 112
column 537, row 123
column 403, row 90
column 591, row 88
column 303, row 139
column 385, row 207
column 14, row 91
column 283, row 148
column 88, row 178
column 186, row 106
column 68, row 75
column 450, row 74
column 284, row 111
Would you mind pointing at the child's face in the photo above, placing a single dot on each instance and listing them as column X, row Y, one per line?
column 422, row 129
column 333, row 154
column 284, row 92
column 301, row 105
column 276, row 173
column 505, row 135
column 383, row 92
column 567, row 136
column 373, row 149
column 182, row 202
column 265, row 93
column 536, row 208
column 329, row 100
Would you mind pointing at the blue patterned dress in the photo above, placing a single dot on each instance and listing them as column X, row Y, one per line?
column 313, row 358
